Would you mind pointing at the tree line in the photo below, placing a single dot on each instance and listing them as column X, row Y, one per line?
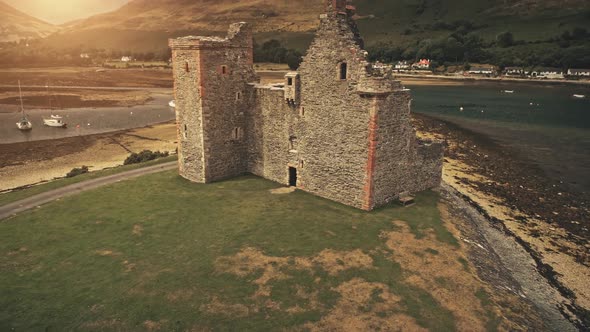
column 571, row 49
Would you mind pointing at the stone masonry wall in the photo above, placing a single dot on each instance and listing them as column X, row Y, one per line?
column 188, row 116
column 271, row 123
column 402, row 165
column 336, row 118
column 215, row 105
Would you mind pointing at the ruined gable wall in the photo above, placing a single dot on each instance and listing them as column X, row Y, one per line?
column 402, row 165
column 188, row 114
column 336, row 118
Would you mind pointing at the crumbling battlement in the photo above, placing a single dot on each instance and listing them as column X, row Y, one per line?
column 334, row 128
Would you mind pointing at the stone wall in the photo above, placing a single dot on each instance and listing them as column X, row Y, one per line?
column 187, row 93
column 336, row 145
column 403, row 163
column 212, row 103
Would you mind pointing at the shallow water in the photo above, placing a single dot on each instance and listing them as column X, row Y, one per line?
column 544, row 125
column 87, row 120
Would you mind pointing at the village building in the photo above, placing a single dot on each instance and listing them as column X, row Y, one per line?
column 514, row 71
column 549, row 73
column 126, row 58
column 423, row 64
column 578, row 72
column 402, row 66
column 482, row 70
column 335, row 128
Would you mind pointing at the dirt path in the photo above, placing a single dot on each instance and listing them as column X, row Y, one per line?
column 46, row 197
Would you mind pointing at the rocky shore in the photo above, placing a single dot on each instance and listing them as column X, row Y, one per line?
column 518, row 200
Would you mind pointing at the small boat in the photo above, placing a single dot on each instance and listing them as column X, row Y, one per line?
column 172, row 104
column 58, row 123
column 24, row 124
column 508, row 91
column 54, row 119
column 580, row 96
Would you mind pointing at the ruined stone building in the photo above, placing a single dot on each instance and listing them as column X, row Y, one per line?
column 335, row 128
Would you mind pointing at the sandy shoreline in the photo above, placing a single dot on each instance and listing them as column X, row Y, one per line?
column 549, row 223
column 33, row 162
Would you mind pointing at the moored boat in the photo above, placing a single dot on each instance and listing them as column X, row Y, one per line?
column 58, row 123
column 24, row 124
column 579, row 96
column 508, row 91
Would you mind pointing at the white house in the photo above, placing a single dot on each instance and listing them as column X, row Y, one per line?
column 402, row 66
column 381, row 66
column 481, row 70
column 579, row 72
column 126, row 59
column 551, row 73
column 84, row 56
column 514, row 71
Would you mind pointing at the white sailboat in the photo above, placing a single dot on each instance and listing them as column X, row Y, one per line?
column 579, row 96
column 24, row 124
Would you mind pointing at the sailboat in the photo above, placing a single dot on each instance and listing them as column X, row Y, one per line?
column 24, row 124
column 54, row 120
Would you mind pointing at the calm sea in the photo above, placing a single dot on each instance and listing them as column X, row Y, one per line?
column 545, row 125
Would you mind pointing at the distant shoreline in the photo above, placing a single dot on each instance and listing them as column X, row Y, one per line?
column 459, row 80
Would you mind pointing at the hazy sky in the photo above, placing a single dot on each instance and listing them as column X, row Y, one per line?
column 61, row 11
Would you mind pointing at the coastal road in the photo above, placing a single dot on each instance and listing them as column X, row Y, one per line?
column 50, row 196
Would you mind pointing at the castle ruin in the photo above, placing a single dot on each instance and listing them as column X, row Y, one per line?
column 336, row 128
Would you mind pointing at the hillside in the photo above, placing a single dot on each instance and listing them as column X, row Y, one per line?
column 379, row 20
column 16, row 25
column 537, row 28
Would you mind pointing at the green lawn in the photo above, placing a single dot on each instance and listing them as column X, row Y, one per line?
column 145, row 253
column 16, row 195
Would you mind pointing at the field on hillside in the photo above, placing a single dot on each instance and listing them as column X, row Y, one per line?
column 234, row 255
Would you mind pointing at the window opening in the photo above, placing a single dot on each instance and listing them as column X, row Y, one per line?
column 343, row 70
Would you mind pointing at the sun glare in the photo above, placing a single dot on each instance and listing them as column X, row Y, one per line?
column 62, row 11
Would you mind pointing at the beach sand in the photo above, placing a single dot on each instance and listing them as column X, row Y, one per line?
column 28, row 163
column 550, row 223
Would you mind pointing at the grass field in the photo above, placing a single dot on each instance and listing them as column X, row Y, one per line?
column 160, row 253
column 16, row 195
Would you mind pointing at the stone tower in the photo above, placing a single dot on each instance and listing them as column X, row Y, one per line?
column 211, row 76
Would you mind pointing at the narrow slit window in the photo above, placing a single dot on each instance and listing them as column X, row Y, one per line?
column 290, row 81
column 224, row 70
column 185, row 133
column 186, row 68
column 238, row 96
column 302, row 111
column 293, row 143
column 343, row 70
